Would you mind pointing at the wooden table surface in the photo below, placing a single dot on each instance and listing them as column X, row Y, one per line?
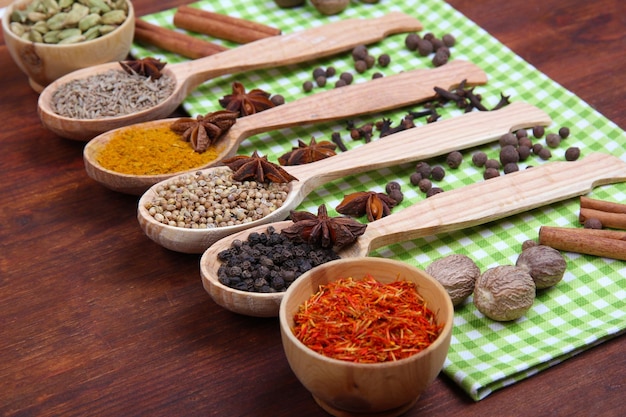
column 96, row 320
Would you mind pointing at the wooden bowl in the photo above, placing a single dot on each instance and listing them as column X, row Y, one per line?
column 345, row 388
column 43, row 63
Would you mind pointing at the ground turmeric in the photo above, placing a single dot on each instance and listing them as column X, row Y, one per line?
column 157, row 150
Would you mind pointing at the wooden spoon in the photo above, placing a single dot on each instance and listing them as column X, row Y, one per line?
column 464, row 207
column 275, row 51
column 378, row 95
column 467, row 130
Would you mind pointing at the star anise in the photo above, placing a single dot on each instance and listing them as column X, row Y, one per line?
column 322, row 230
column 305, row 154
column 257, row 168
column 203, row 131
column 147, row 67
column 244, row 103
column 375, row 205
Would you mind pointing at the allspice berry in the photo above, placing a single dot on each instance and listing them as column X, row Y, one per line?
column 330, row 7
column 504, row 293
column 545, row 265
column 457, row 273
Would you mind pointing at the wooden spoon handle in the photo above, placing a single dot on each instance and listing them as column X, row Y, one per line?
column 422, row 142
column 492, row 199
column 374, row 96
column 293, row 48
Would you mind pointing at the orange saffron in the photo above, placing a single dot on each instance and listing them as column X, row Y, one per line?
column 366, row 321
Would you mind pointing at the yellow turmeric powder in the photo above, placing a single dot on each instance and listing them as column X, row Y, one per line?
column 157, row 150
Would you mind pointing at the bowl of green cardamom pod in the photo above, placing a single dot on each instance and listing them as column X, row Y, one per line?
column 51, row 38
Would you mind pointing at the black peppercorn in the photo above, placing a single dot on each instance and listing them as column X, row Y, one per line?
column 437, row 173
column 411, row 41
column 507, row 139
column 508, row 154
column 277, row 99
column 492, row 163
column 454, row 159
column 433, row 191
column 537, row 147
column 553, row 140
column 521, row 133
column 479, row 159
column 538, row 131
column 393, row 185
column 491, row 173
column 572, row 153
column 330, row 72
column 564, row 132
column 545, row 154
column 340, row 83
column 318, row 72
column 359, row 52
column 396, row 195
column 510, row 167
column 437, row 43
column 593, row 223
column 377, row 75
column 360, row 66
column 449, row 40
column 424, row 185
column 384, row 60
column 370, row 61
column 440, row 58
column 415, row 178
column 525, row 141
column 307, row 86
column 524, row 152
column 320, row 81
column 424, row 47
column 347, row 77
column 423, row 168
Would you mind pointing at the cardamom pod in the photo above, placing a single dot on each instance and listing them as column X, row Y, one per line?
column 99, row 4
column 41, row 27
column 36, row 16
column 77, row 12
column 114, row 17
column 51, row 36
column 89, row 21
column 104, row 29
column 63, row 4
column 92, row 33
column 17, row 28
column 72, row 39
column 68, row 33
column 35, row 36
column 57, row 21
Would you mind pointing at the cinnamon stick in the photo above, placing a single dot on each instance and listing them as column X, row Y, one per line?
column 602, row 205
column 173, row 41
column 605, row 243
column 608, row 219
column 221, row 26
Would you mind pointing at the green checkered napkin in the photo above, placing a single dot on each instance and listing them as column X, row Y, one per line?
column 585, row 309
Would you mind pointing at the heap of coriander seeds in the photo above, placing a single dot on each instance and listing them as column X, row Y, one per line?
column 211, row 198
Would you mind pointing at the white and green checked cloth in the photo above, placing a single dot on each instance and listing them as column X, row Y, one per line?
column 585, row 309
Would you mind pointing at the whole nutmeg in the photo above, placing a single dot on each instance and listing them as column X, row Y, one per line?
column 330, row 7
column 504, row 293
column 545, row 265
column 457, row 273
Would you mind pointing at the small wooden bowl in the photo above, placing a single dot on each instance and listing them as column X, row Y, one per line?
column 44, row 63
column 355, row 389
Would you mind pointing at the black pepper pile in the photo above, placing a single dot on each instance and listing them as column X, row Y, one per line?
column 268, row 262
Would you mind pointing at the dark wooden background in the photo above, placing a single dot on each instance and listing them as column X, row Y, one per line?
column 96, row 320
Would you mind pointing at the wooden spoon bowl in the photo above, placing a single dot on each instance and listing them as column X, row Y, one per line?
column 464, row 207
column 392, row 92
column 265, row 53
column 467, row 130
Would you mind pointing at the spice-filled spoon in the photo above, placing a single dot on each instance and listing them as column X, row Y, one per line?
column 274, row 51
column 468, row 206
column 395, row 91
column 460, row 132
